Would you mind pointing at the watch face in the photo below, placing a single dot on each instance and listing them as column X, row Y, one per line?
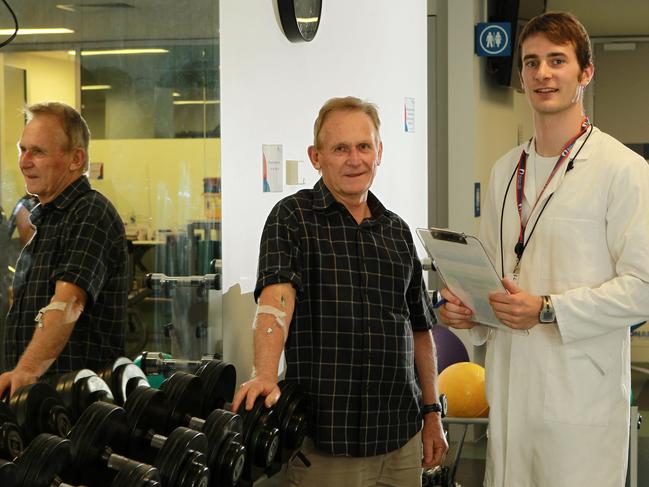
column 547, row 316
column 444, row 403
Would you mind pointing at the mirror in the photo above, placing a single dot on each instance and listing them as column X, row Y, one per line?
column 148, row 86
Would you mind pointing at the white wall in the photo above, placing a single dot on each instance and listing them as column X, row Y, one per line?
column 484, row 120
column 271, row 90
column 462, row 75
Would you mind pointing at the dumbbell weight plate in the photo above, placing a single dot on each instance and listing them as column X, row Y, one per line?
column 79, row 389
column 177, row 460
column 39, row 409
column 194, row 472
column 137, row 475
column 64, row 386
column 12, row 442
column 107, row 372
column 292, row 410
column 125, row 379
column 122, row 376
column 46, row 457
column 226, row 455
column 7, row 473
column 146, row 410
column 101, row 425
column 219, row 381
column 227, row 463
column 92, row 389
column 260, row 432
column 184, row 393
column 221, row 421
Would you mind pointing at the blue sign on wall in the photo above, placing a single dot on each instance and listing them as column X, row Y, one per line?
column 493, row 39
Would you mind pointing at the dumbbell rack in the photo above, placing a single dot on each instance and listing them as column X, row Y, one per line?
column 106, row 445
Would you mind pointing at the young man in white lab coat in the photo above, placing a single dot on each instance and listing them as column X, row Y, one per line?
column 567, row 225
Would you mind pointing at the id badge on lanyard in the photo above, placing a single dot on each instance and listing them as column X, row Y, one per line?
column 521, row 168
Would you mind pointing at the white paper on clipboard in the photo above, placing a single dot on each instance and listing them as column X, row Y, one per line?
column 465, row 268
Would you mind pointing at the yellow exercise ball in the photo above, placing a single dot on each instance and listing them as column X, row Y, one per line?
column 464, row 386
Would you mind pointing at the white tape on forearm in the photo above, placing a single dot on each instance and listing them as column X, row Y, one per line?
column 264, row 309
column 57, row 305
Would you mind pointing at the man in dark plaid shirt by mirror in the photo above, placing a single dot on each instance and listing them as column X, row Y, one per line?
column 340, row 289
column 71, row 281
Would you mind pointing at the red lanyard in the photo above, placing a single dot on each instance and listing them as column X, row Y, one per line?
column 520, row 183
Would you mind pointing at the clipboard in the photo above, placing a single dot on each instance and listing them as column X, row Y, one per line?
column 466, row 270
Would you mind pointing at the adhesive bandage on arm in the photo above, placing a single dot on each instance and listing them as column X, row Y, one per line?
column 264, row 309
column 72, row 315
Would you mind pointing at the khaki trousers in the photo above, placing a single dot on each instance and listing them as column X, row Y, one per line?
column 400, row 468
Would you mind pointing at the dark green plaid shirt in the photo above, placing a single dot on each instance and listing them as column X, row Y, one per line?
column 79, row 239
column 360, row 297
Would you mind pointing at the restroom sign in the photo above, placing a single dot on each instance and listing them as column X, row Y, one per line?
column 493, row 39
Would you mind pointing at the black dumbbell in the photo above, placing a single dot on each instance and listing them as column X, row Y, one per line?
column 39, row 409
column 137, row 475
column 155, row 363
column 103, row 430
column 40, row 465
column 184, row 394
column 12, row 441
column 224, row 430
column 149, row 408
column 292, row 409
column 122, row 376
column 219, row 378
column 180, row 457
column 184, row 398
column 219, row 381
column 260, row 437
column 48, row 456
column 79, row 389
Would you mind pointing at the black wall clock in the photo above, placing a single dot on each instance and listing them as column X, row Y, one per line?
column 300, row 18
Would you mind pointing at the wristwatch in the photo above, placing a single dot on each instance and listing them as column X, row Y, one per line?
column 547, row 314
column 436, row 407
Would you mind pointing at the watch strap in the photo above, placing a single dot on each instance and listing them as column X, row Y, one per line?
column 431, row 408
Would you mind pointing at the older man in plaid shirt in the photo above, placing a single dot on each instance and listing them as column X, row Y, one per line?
column 71, row 282
column 340, row 289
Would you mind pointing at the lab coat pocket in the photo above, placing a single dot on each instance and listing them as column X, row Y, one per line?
column 571, row 247
column 576, row 387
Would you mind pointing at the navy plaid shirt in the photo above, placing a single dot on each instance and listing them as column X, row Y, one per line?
column 360, row 296
column 79, row 239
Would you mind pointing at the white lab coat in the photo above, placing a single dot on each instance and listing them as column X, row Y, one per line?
column 559, row 396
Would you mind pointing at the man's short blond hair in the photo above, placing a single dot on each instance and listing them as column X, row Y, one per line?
column 73, row 124
column 350, row 104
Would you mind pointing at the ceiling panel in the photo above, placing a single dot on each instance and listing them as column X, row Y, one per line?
column 101, row 20
column 607, row 18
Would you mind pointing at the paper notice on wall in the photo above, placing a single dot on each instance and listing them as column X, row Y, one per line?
column 272, row 156
column 96, row 170
column 409, row 114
